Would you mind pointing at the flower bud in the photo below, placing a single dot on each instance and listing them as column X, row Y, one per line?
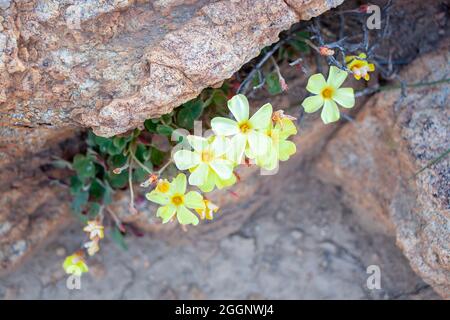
column 325, row 51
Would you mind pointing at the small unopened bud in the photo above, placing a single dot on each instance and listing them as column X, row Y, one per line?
column 283, row 84
column 363, row 8
column 151, row 179
column 279, row 115
column 325, row 51
column 119, row 170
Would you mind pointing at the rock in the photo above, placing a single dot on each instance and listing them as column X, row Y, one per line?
column 110, row 65
column 4, row 4
column 84, row 57
column 32, row 209
column 376, row 161
column 258, row 260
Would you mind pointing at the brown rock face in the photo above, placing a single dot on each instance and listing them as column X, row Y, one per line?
column 32, row 209
column 377, row 158
column 110, row 65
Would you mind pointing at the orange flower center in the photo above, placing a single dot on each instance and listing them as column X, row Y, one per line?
column 177, row 200
column 327, row 93
column 207, row 156
column 245, row 126
column 163, row 186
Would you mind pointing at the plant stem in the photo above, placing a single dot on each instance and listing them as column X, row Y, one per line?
column 133, row 156
column 432, row 162
column 414, row 85
column 399, row 86
column 164, row 167
column 130, row 183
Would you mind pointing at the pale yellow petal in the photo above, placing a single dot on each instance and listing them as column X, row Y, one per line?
column 238, row 106
column 185, row 216
column 198, row 143
column 330, row 112
column 316, row 83
column 336, row 77
column 312, row 104
column 224, row 126
column 185, row 159
column 194, row 200
column 262, row 118
column 345, row 97
column 199, row 175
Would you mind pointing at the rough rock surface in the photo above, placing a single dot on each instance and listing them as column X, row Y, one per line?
column 32, row 209
column 286, row 247
column 38, row 102
column 375, row 161
column 59, row 58
column 25, row 172
column 112, row 64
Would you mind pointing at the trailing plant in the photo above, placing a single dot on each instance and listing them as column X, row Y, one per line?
column 200, row 163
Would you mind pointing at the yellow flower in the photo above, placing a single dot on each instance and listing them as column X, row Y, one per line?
column 208, row 211
column 206, row 159
column 95, row 230
column 92, row 247
column 163, row 186
column 176, row 202
column 359, row 66
column 75, row 264
column 327, row 93
column 280, row 148
column 279, row 115
column 245, row 132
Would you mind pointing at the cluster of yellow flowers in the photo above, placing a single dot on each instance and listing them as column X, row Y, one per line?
column 261, row 139
column 211, row 161
column 75, row 263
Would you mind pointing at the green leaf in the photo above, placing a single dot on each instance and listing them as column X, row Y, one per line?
column 103, row 143
column 273, row 83
column 117, row 161
column 303, row 35
column 120, row 143
column 75, row 185
column 91, row 139
column 219, row 98
column 142, row 152
column 96, row 191
column 118, row 181
column 299, row 45
column 118, row 238
column 157, row 157
column 107, row 196
column 94, row 209
column 190, row 112
column 113, row 150
column 164, row 130
column 167, row 118
column 79, row 201
column 140, row 175
column 84, row 166
column 150, row 125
